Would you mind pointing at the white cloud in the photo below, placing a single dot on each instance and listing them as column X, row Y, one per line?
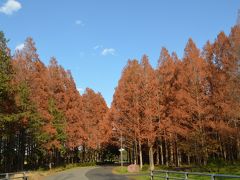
column 10, row 6
column 80, row 90
column 19, row 47
column 108, row 51
column 79, row 23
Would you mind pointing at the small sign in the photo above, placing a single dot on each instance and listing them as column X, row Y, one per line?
column 121, row 149
column 80, row 148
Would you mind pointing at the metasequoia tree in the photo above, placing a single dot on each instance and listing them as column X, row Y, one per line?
column 94, row 126
column 127, row 103
column 168, row 112
column 234, row 39
column 148, row 112
column 68, row 104
column 222, row 67
column 185, row 111
column 193, row 95
column 57, row 101
column 94, row 111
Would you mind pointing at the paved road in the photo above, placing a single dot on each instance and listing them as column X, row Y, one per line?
column 87, row 173
column 72, row 174
column 104, row 173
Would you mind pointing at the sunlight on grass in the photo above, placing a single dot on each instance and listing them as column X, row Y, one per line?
column 120, row 170
column 233, row 169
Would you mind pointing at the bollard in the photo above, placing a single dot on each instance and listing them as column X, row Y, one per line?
column 151, row 174
column 212, row 177
column 167, row 178
column 24, row 176
column 7, row 176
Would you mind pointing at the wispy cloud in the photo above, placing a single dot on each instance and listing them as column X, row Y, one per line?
column 80, row 90
column 10, row 6
column 19, row 47
column 104, row 51
column 108, row 51
column 97, row 47
column 79, row 23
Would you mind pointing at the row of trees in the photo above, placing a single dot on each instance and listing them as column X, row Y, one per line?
column 184, row 111
column 43, row 118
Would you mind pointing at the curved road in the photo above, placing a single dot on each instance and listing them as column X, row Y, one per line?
column 104, row 173
column 87, row 173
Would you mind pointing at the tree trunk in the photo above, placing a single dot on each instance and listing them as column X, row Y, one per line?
column 166, row 152
column 140, row 154
column 135, row 151
column 237, row 141
column 151, row 161
column 158, row 157
column 171, row 152
column 238, row 148
column 179, row 159
column 188, row 158
column 161, row 151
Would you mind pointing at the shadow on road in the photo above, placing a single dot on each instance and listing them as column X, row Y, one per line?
column 104, row 173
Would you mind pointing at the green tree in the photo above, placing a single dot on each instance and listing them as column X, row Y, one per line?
column 58, row 122
column 7, row 107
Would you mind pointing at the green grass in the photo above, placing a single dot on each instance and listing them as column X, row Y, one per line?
column 123, row 171
column 231, row 169
column 139, row 178
column 120, row 170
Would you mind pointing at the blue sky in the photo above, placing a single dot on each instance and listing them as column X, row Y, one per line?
column 94, row 39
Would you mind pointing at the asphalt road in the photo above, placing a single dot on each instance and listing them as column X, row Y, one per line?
column 87, row 173
column 71, row 174
column 104, row 173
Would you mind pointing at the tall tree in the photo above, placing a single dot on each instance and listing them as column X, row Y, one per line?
column 7, row 107
column 193, row 81
column 94, row 111
column 149, row 108
column 168, row 106
column 127, row 103
column 234, row 39
column 31, row 75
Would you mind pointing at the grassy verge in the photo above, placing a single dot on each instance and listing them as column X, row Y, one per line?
column 123, row 171
column 232, row 169
column 120, row 170
column 41, row 173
